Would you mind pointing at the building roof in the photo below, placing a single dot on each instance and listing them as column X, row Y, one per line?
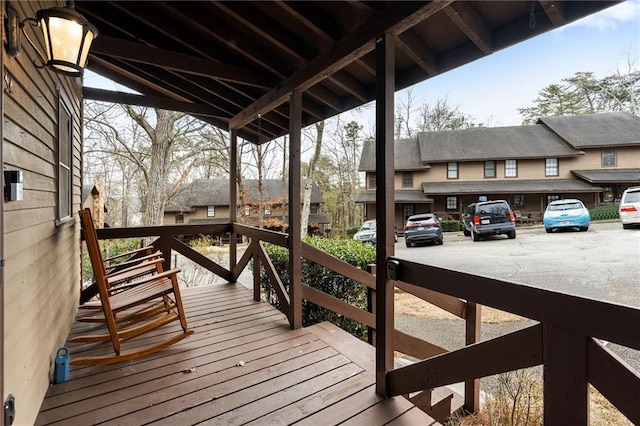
column 492, row 143
column 414, row 196
column 215, row 192
column 548, row 186
column 89, row 190
column 596, row 130
column 406, row 156
column 257, row 53
column 200, row 192
column 609, row 175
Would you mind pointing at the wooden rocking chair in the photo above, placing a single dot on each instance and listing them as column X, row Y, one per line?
column 132, row 308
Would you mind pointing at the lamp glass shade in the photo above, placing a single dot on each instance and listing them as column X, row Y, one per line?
column 67, row 37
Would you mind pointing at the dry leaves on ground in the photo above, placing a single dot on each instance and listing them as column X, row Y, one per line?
column 408, row 304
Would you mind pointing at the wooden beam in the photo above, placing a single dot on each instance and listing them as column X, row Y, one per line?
column 138, row 52
column 151, row 102
column 453, row 305
column 393, row 20
column 418, row 51
column 349, row 271
column 385, row 89
column 414, row 346
column 336, row 305
column 471, row 24
column 555, row 10
column 233, row 201
column 566, row 398
column 520, row 349
column 295, row 233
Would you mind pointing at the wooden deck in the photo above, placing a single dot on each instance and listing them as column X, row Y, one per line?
column 243, row 365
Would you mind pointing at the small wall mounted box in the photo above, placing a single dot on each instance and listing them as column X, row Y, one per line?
column 13, row 185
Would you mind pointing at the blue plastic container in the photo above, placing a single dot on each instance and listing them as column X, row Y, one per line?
column 61, row 371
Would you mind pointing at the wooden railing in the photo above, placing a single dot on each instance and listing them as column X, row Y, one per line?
column 566, row 340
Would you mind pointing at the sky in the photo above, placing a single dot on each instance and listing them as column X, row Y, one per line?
column 492, row 89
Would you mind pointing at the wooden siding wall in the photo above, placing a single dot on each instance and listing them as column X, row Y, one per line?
column 42, row 274
column 628, row 158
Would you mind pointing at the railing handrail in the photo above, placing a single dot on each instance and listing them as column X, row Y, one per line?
column 595, row 318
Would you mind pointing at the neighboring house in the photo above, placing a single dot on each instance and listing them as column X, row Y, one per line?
column 93, row 199
column 207, row 201
column 590, row 157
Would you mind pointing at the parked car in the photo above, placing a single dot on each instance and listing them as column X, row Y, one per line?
column 367, row 233
column 565, row 214
column 489, row 218
column 422, row 228
column 629, row 210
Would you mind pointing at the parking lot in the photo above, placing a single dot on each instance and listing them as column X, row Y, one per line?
column 602, row 263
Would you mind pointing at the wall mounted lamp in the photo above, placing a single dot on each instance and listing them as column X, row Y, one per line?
column 67, row 38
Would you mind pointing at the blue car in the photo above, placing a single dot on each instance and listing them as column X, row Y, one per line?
column 566, row 214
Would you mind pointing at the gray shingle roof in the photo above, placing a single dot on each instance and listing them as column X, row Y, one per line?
column 497, row 143
column 406, row 156
column 508, row 186
column 596, row 130
column 609, row 175
column 215, row 192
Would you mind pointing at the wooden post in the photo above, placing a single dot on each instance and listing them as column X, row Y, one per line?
column 233, row 203
column 473, row 321
column 256, row 270
column 294, row 240
column 385, row 85
column 566, row 398
column 371, row 306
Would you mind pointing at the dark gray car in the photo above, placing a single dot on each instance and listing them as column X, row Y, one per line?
column 489, row 218
column 422, row 228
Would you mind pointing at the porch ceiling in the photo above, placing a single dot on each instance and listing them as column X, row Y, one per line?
column 227, row 62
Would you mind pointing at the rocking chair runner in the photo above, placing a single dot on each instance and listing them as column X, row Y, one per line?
column 131, row 312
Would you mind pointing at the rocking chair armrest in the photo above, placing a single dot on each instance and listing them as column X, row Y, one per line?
column 147, row 249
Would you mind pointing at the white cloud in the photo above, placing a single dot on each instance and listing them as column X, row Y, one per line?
column 610, row 18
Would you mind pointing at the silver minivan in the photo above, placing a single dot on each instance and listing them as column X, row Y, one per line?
column 629, row 209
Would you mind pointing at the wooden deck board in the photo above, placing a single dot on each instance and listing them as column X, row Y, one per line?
column 242, row 365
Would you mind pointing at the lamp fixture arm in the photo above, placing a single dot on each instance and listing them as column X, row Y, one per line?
column 35, row 23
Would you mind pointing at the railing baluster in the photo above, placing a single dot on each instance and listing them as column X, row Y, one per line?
column 566, row 399
column 473, row 322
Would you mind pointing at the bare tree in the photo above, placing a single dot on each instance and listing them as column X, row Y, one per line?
column 309, row 180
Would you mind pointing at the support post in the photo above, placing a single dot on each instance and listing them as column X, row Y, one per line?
column 566, row 397
column 233, row 203
column 256, row 271
column 385, row 86
column 473, row 322
column 294, row 240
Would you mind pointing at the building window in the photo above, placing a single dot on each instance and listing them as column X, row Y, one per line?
column 407, row 210
column 510, row 168
column 489, row 169
column 65, row 160
column 267, row 211
column 518, row 201
column 372, row 181
column 452, row 170
column 179, row 218
column 452, row 203
column 211, row 211
column 407, row 179
column 551, row 198
column 551, row 167
column 609, row 157
column 313, row 209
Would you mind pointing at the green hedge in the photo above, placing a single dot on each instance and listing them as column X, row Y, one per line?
column 348, row 250
column 604, row 212
column 351, row 230
column 450, row 225
column 109, row 248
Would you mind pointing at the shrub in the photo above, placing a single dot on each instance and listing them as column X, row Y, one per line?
column 348, row 250
column 450, row 225
column 109, row 248
column 351, row 230
column 604, row 212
